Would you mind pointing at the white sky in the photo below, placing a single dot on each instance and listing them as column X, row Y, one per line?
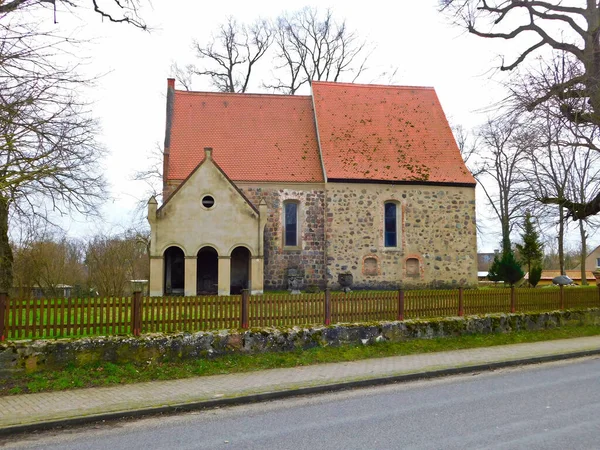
column 130, row 99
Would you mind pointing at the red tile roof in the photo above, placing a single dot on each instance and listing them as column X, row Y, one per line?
column 387, row 133
column 255, row 137
column 366, row 132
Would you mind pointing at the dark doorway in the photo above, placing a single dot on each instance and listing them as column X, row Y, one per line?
column 208, row 271
column 174, row 271
column 240, row 270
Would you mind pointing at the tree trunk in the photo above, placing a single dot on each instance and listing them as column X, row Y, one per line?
column 561, row 240
column 505, row 235
column 6, row 256
column 583, row 252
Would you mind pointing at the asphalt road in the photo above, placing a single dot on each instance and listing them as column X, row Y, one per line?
column 550, row 406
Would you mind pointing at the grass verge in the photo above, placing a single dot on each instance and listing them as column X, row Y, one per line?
column 107, row 374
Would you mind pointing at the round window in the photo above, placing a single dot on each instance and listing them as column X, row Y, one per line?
column 208, row 201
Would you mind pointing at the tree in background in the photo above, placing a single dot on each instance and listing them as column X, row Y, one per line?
column 305, row 45
column 506, row 269
column 570, row 32
column 503, row 150
column 531, row 251
column 584, row 184
column 230, row 56
column 49, row 155
column 47, row 263
column 117, row 11
column 114, row 260
column 311, row 46
column 548, row 163
column 535, row 274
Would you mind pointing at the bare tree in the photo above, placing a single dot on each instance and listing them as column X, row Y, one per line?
column 47, row 262
column 467, row 144
column 113, row 261
column 152, row 177
column 183, row 75
column 231, row 55
column 584, row 183
column 550, row 161
column 311, row 47
column 563, row 29
column 118, row 11
column 306, row 44
column 49, row 154
column 498, row 173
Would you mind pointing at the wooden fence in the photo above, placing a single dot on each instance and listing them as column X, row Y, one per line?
column 53, row 318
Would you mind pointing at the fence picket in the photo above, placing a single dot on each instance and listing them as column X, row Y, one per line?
column 71, row 317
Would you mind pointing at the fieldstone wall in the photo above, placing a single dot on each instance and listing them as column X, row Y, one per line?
column 47, row 355
column 436, row 236
column 309, row 258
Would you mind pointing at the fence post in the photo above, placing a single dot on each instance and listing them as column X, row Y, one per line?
column 562, row 297
column 244, row 317
column 136, row 314
column 400, row 304
column 513, row 299
column 327, row 306
column 461, row 309
column 3, row 315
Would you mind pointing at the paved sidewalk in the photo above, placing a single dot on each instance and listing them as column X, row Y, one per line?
column 31, row 411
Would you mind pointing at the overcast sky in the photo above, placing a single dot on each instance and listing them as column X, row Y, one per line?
column 129, row 99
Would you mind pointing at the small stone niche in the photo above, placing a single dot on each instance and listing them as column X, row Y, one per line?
column 412, row 267
column 370, row 266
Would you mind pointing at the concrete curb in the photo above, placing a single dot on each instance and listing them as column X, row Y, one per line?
column 254, row 398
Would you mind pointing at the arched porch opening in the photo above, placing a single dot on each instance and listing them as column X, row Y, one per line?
column 207, row 271
column 240, row 270
column 174, row 279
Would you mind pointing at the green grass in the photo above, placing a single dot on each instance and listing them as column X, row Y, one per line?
column 107, row 374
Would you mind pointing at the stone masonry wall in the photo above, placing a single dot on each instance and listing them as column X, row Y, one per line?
column 436, row 235
column 21, row 356
column 309, row 258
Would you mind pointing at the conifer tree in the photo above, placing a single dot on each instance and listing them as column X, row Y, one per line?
column 536, row 273
column 530, row 251
column 506, row 269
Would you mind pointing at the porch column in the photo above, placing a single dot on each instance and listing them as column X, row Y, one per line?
column 157, row 275
column 190, row 288
column 224, row 283
column 257, row 271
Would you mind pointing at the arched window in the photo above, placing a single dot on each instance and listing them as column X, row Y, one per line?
column 391, row 224
column 290, row 224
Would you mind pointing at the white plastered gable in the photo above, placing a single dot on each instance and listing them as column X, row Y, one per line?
column 184, row 222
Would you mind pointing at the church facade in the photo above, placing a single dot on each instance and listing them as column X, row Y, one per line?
column 354, row 179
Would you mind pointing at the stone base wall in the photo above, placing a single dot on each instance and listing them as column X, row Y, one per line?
column 436, row 236
column 309, row 258
column 47, row 355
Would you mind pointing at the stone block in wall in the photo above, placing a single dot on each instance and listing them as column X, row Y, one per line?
column 55, row 354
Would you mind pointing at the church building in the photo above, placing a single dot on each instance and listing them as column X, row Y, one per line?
column 353, row 179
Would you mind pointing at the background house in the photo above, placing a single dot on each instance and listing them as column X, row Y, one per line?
column 592, row 261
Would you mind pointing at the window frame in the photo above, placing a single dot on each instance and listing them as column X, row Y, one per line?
column 397, row 231
column 297, row 246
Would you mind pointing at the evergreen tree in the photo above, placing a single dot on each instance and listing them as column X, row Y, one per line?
column 530, row 251
column 536, row 274
column 506, row 269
